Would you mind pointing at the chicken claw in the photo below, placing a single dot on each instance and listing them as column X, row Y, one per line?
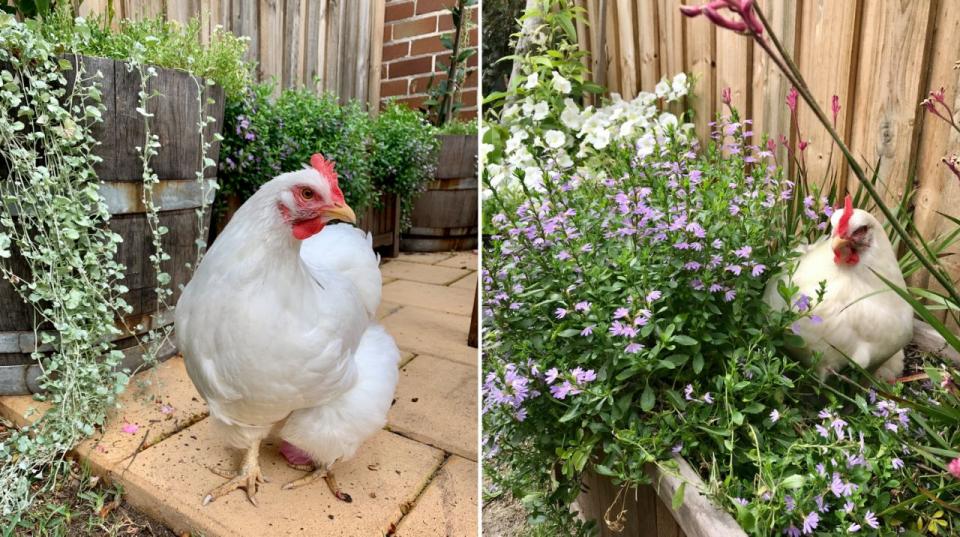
column 249, row 478
column 327, row 476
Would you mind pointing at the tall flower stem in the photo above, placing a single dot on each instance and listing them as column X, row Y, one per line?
column 789, row 68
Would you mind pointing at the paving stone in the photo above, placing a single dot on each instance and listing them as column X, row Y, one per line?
column 156, row 404
column 168, row 482
column 448, row 508
column 467, row 282
column 22, row 410
column 464, row 260
column 386, row 308
column 405, row 357
column 425, row 258
column 418, row 272
column 433, row 297
column 423, row 331
column 436, row 403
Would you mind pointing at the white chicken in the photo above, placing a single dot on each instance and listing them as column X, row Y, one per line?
column 859, row 317
column 277, row 330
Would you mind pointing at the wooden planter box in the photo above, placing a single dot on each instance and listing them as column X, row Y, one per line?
column 384, row 224
column 122, row 129
column 647, row 509
column 445, row 217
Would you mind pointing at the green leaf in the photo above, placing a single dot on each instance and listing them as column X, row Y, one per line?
column 794, row 481
column 681, row 339
column 678, row 496
column 647, row 399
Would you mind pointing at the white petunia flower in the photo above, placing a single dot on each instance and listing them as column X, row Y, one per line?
column 540, row 111
column 662, row 89
column 532, row 81
column 554, row 138
column 561, row 84
column 571, row 116
column 679, row 85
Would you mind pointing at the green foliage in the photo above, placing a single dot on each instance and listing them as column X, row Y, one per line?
column 444, row 95
column 499, row 25
column 167, row 44
column 27, row 8
column 403, row 154
column 456, row 126
column 264, row 137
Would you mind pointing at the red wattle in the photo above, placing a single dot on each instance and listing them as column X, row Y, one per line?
column 304, row 229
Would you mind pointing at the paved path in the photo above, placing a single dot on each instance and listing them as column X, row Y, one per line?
column 418, row 477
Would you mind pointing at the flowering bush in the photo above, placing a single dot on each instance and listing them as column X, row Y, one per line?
column 625, row 324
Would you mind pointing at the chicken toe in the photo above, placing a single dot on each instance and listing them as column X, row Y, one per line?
column 327, row 476
column 249, row 478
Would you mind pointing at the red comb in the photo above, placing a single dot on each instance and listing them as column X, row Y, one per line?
column 325, row 167
column 844, row 224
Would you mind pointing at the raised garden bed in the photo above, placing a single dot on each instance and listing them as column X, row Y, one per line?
column 445, row 216
column 178, row 194
column 647, row 511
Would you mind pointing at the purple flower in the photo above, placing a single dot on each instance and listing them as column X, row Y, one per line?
column 790, row 503
column 688, row 392
column 584, row 377
column 744, row 253
column 821, row 505
column 758, row 270
column 620, row 313
column 564, row 255
column 716, row 288
column 802, row 303
column 810, row 523
column 633, row 348
column 741, row 501
column 582, row 306
column 729, row 295
column 792, row 531
column 897, row 463
column 774, row 416
column 692, row 265
column 521, row 414
column 677, row 448
column 853, row 528
column 551, row 375
column 560, row 313
column 587, row 330
column 707, row 398
column 816, row 319
column 735, row 269
column 871, row 520
column 820, row 468
column 560, row 391
column 653, row 296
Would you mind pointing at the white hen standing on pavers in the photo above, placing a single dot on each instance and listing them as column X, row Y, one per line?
column 277, row 330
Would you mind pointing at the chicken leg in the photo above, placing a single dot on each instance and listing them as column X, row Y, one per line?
column 316, row 472
column 249, row 478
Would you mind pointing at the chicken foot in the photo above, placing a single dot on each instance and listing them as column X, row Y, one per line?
column 248, row 478
column 316, row 472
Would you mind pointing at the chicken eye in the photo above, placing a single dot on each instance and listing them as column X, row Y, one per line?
column 861, row 231
column 307, row 194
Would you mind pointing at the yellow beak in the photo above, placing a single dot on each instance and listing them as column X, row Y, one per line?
column 340, row 212
column 839, row 242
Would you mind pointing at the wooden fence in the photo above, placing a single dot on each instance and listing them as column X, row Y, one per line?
column 880, row 57
column 336, row 42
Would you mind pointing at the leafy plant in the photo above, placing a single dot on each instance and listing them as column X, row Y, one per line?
column 443, row 103
column 403, row 154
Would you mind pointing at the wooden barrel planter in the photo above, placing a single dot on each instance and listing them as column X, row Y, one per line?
column 383, row 222
column 647, row 511
column 175, row 116
column 445, row 216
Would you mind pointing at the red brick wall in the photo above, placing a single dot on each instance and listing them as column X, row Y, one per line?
column 411, row 48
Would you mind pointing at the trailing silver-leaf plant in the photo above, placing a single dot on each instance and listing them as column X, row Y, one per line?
column 52, row 211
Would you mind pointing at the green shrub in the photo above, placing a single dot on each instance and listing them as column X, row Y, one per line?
column 403, row 154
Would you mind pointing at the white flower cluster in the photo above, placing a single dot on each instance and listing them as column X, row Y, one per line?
column 540, row 139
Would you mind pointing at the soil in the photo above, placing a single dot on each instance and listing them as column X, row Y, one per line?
column 503, row 516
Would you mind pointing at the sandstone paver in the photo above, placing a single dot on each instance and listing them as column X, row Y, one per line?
column 425, row 258
column 423, row 331
column 434, row 297
column 418, row 272
column 448, row 508
column 168, row 481
column 386, row 308
column 22, row 410
column 436, row 403
column 464, row 260
column 467, row 282
column 156, row 404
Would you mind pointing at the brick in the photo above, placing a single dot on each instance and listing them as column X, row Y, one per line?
column 396, row 51
column 149, row 394
column 436, row 403
column 398, row 10
column 413, row 102
column 413, row 28
column 423, row 331
column 426, row 45
column 425, row 258
column 429, row 6
column 168, row 481
column 433, row 297
column 448, row 506
column 392, row 88
column 442, row 62
column 467, row 282
column 472, row 38
column 412, row 67
column 470, row 81
column 469, row 98
column 387, row 308
column 22, row 410
column 467, row 260
column 467, row 114
column 445, row 22
column 421, row 84
column 387, row 33
column 422, row 273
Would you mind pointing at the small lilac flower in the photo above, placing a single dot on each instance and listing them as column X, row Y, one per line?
column 802, row 303
column 620, row 313
column 521, row 414
column 707, row 398
column 820, row 468
column 729, row 295
column 741, row 501
column 822, row 431
column 582, row 306
column 816, row 319
column 560, row 313
column 587, row 330
column 735, row 269
column 688, row 392
column 743, row 253
column 792, row 531
column 790, row 503
column 853, row 528
column 633, row 348
column 716, row 288
column 871, row 520
column 584, row 377
column 810, row 523
column 551, row 375
column 564, row 255
column 757, row 270
column 677, row 448
column 515, row 305
column 692, row 265
column 774, row 416
column 848, row 507
column 560, row 391
column 653, row 296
